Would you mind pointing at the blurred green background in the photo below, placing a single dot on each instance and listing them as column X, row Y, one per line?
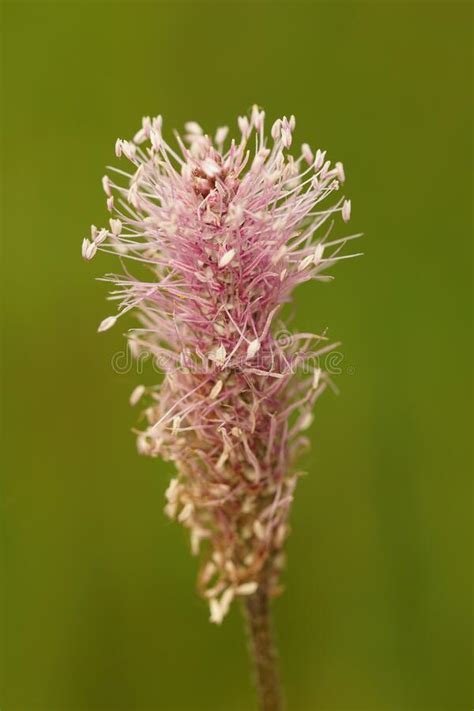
column 98, row 587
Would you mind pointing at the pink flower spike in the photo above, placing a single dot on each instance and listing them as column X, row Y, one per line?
column 212, row 243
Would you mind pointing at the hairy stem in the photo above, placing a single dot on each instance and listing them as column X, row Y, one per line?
column 262, row 650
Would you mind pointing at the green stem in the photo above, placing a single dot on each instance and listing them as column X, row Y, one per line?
column 263, row 651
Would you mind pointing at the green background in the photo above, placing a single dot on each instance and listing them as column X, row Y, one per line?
column 98, row 587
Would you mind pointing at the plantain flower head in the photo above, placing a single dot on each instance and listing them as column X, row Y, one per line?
column 218, row 234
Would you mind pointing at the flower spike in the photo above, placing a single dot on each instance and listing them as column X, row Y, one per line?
column 225, row 231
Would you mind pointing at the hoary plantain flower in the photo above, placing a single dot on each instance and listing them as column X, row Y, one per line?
column 222, row 233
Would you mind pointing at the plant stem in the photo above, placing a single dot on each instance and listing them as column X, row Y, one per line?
column 263, row 650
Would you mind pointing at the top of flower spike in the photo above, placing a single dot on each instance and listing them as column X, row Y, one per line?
column 212, row 220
